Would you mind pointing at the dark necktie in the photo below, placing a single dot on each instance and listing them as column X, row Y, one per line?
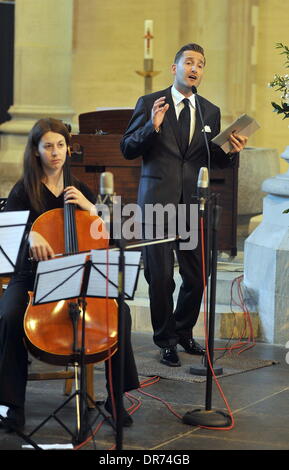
column 185, row 124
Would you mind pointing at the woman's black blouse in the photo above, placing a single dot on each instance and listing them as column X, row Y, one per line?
column 18, row 200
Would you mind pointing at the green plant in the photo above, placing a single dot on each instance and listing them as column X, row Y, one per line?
column 281, row 83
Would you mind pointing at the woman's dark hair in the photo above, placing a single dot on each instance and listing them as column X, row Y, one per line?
column 32, row 169
column 189, row 47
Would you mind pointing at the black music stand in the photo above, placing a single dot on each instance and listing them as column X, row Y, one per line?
column 12, row 237
column 76, row 279
column 63, row 279
column 120, row 283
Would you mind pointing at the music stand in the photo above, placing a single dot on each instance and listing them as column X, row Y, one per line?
column 76, row 279
column 12, row 231
column 120, row 286
column 12, row 237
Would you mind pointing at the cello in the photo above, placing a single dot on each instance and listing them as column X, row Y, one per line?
column 50, row 333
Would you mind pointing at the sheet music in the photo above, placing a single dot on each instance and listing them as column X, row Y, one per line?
column 12, row 227
column 59, row 278
column 244, row 125
column 105, row 266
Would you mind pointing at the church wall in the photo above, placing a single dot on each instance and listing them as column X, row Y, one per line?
column 239, row 38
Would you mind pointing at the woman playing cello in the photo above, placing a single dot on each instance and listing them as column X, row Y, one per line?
column 39, row 190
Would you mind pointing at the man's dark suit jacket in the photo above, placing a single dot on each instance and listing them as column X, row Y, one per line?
column 167, row 176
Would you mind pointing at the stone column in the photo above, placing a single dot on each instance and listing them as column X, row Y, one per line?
column 266, row 261
column 242, row 56
column 42, row 76
column 256, row 165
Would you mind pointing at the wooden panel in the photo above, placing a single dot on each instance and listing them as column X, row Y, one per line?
column 112, row 121
column 99, row 150
column 225, row 183
column 102, row 153
column 125, row 180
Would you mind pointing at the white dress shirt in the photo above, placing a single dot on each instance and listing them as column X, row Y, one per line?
column 177, row 100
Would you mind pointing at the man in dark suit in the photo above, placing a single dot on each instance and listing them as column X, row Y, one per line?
column 166, row 131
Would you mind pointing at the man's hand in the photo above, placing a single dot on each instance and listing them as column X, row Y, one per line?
column 158, row 112
column 238, row 142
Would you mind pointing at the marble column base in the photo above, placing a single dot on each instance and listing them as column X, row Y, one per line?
column 256, row 164
column 266, row 270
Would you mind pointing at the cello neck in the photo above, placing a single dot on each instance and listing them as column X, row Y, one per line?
column 70, row 231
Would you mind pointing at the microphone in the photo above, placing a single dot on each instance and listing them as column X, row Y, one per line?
column 104, row 201
column 194, row 90
column 106, row 185
column 109, row 206
column 202, row 187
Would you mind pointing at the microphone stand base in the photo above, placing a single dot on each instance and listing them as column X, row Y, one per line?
column 208, row 418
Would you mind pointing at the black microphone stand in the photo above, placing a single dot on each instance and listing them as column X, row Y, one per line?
column 117, row 240
column 208, row 417
column 121, row 335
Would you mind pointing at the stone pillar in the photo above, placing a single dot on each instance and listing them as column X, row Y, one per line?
column 266, row 261
column 42, row 76
column 256, row 165
column 241, row 71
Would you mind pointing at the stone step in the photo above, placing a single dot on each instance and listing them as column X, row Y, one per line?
column 229, row 314
column 225, row 280
column 228, row 324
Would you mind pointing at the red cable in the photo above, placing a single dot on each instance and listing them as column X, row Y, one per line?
column 150, row 381
column 170, row 408
column 247, row 321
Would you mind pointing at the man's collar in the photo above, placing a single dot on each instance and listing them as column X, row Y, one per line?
column 178, row 97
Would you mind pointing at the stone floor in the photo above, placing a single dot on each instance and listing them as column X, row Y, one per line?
column 259, row 402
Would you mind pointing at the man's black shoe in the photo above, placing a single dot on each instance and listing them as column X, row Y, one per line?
column 14, row 421
column 169, row 357
column 127, row 420
column 191, row 346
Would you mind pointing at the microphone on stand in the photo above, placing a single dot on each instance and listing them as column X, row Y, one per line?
column 208, row 417
column 203, row 187
column 106, row 187
column 104, row 201
column 109, row 206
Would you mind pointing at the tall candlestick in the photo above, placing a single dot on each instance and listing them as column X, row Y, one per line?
column 148, row 39
column 148, row 73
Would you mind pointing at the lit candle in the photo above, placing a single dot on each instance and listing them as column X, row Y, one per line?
column 148, row 39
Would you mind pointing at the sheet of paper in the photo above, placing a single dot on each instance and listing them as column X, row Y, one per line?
column 59, row 278
column 49, row 446
column 104, row 273
column 12, row 227
column 244, row 125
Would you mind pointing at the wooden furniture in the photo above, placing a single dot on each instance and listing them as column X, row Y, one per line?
column 112, row 121
column 93, row 153
column 225, row 183
column 68, row 376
